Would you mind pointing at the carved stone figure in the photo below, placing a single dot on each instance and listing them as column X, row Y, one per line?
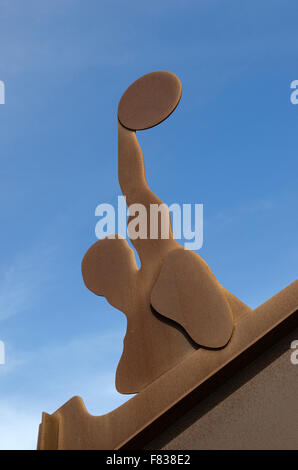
column 173, row 303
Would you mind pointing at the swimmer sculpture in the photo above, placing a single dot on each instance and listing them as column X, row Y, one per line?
column 182, row 325
column 177, row 283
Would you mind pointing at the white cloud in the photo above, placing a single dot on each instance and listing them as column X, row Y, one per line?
column 21, row 281
column 18, row 427
column 50, row 376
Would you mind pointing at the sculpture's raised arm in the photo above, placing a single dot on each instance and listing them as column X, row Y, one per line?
column 131, row 169
column 146, row 103
column 149, row 244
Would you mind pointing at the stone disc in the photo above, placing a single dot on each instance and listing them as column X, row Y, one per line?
column 149, row 100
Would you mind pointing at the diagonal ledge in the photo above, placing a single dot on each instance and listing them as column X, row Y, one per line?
column 138, row 420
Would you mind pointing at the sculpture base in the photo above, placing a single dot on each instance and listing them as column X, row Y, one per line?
column 140, row 419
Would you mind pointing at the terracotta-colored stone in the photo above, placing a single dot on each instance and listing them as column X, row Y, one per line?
column 141, row 418
column 187, row 292
column 175, row 307
column 149, row 100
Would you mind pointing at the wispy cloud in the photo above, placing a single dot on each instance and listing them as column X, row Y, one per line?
column 22, row 279
column 51, row 44
column 48, row 377
column 249, row 209
column 18, row 427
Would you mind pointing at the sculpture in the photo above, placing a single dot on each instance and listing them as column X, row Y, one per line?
column 174, row 282
column 186, row 334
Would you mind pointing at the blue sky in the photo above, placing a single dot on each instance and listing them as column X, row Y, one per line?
column 231, row 145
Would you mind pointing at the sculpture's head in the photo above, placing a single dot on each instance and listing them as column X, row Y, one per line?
column 149, row 100
column 109, row 269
